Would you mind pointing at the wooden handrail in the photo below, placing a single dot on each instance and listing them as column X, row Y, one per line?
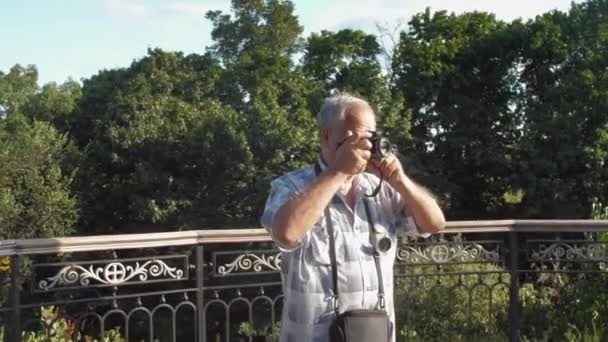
column 194, row 237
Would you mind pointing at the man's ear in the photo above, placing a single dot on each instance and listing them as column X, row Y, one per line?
column 325, row 136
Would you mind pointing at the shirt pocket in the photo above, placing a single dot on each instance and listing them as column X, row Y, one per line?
column 317, row 252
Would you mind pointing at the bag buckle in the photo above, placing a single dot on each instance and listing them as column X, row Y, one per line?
column 336, row 303
column 381, row 301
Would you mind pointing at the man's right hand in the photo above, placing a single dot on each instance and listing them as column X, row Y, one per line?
column 298, row 215
column 353, row 154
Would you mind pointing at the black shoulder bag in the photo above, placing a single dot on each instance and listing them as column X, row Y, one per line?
column 358, row 325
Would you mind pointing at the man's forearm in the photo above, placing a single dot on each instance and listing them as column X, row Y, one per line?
column 427, row 214
column 297, row 216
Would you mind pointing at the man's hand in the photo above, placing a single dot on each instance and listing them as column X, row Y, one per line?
column 426, row 212
column 390, row 167
column 353, row 154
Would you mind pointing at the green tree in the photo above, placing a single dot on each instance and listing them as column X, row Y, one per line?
column 37, row 162
column 161, row 151
column 457, row 74
column 54, row 103
column 256, row 46
column 346, row 60
column 16, row 87
column 500, row 119
column 565, row 140
column 35, row 196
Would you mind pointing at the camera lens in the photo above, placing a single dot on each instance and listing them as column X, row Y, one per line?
column 384, row 147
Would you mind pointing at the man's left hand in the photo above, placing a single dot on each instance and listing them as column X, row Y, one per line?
column 390, row 167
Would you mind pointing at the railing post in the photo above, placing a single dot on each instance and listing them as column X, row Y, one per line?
column 14, row 331
column 200, row 299
column 514, row 312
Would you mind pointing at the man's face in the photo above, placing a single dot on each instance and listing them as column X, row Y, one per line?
column 358, row 118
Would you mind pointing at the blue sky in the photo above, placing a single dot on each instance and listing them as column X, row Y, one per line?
column 77, row 38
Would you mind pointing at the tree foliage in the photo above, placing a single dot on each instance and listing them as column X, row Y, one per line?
column 35, row 196
column 157, row 146
column 457, row 77
column 37, row 161
column 564, row 142
column 500, row 119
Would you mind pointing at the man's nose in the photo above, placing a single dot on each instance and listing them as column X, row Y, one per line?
column 367, row 144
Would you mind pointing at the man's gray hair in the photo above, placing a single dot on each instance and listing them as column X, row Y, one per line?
column 334, row 108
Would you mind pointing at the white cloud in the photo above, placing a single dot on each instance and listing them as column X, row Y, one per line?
column 196, row 9
column 138, row 9
column 127, row 8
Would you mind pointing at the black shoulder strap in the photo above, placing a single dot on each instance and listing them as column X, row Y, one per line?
column 374, row 238
column 332, row 255
column 332, row 249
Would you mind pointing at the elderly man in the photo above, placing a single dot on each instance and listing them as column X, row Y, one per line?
column 337, row 186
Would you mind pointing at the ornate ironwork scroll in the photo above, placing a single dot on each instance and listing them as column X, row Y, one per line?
column 250, row 262
column 446, row 253
column 113, row 273
column 570, row 251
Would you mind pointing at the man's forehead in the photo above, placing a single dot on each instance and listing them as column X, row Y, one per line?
column 360, row 114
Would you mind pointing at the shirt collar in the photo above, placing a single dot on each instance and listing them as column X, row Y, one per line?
column 322, row 164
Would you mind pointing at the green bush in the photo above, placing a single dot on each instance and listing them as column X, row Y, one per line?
column 554, row 306
column 452, row 307
column 270, row 333
column 559, row 305
column 56, row 328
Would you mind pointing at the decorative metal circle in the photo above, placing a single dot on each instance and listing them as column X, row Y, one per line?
column 440, row 253
column 115, row 273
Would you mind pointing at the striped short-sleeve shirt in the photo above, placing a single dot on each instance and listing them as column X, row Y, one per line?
column 306, row 269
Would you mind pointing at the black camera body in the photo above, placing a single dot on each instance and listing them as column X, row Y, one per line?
column 381, row 146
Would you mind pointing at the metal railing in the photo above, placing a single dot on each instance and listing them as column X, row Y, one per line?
column 479, row 279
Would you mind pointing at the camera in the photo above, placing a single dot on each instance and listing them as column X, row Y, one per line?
column 381, row 146
column 383, row 244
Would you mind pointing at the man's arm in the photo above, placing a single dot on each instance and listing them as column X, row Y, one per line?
column 298, row 215
column 424, row 208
